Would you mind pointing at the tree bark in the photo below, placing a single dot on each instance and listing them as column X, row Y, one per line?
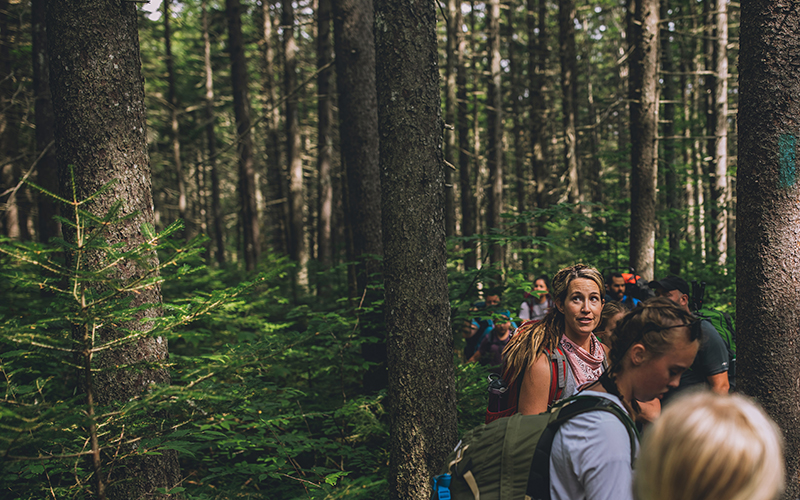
column 450, row 105
column 467, row 189
column 674, row 187
column 358, row 129
column 538, row 54
column 174, row 109
column 46, row 171
column 422, row 408
column 720, row 172
column 325, row 132
column 494, row 120
column 15, row 216
column 211, row 139
column 98, row 102
column 768, row 241
column 241, row 108
column 518, row 134
column 298, row 250
column 569, row 88
column 644, row 124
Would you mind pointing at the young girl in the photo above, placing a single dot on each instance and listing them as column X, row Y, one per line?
column 708, row 446
column 612, row 313
column 578, row 292
column 591, row 454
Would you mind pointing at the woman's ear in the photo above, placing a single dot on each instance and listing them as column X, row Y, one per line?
column 638, row 354
column 559, row 305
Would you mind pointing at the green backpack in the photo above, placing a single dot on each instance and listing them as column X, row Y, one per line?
column 509, row 458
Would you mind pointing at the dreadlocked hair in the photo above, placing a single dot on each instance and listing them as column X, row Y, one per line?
column 644, row 325
column 532, row 338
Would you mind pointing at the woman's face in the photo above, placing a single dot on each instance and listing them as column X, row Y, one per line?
column 654, row 376
column 605, row 334
column 581, row 308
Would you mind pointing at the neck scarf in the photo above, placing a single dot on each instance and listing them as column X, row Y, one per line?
column 586, row 367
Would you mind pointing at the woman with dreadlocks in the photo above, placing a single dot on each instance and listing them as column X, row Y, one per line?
column 591, row 453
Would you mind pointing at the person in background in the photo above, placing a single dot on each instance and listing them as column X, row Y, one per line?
column 615, row 291
column 493, row 345
column 612, row 313
column 711, row 365
column 708, row 446
column 537, row 303
column 486, row 311
column 592, row 452
column 469, row 330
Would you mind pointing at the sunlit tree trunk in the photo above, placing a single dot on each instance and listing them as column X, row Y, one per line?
column 98, row 102
column 325, row 131
column 14, row 219
column 420, row 343
column 719, row 187
column 494, row 120
column 241, row 107
column 211, row 139
column 46, row 176
column 644, row 124
column 593, row 170
column 768, row 242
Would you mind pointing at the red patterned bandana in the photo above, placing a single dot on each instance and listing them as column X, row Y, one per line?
column 586, row 367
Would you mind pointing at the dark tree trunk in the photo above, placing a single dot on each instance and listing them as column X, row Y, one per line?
column 644, row 124
column 241, row 108
column 674, row 187
column 569, row 88
column 538, row 55
column 15, row 214
column 768, row 243
column 422, row 408
column 98, row 102
column 358, row 129
column 174, row 109
column 467, row 190
column 494, row 120
column 297, row 241
column 325, row 132
column 278, row 208
column 45, row 124
column 211, row 139
column 518, row 128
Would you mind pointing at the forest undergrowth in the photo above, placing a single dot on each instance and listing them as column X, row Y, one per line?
column 266, row 397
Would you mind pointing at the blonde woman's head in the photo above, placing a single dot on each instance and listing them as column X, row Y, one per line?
column 707, row 446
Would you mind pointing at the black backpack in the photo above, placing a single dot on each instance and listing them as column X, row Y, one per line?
column 509, row 459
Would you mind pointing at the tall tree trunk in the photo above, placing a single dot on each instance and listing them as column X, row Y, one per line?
column 467, row 189
column 9, row 128
column 768, row 243
column 298, row 247
column 569, row 87
column 174, row 108
column 450, row 105
column 46, row 176
column 417, row 305
column 594, row 170
column 518, row 133
column 494, row 120
column 325, row 131
column 358, row 129
column 211, row 139
column 644, row 124
column 95, row 62
column 241, row 108
column 719, row 185
column 673, row 186
column 538, row 55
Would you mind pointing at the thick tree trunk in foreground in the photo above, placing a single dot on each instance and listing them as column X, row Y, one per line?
column 422, row 408
column 768, row 241
column 98, row 100
column 241, row 108
column 644, row 125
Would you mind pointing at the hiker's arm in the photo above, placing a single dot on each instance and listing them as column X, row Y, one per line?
column 719, row 383
column 475, row 357
column 535, row 389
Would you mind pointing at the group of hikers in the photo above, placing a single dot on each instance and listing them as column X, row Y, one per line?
column 584, row 344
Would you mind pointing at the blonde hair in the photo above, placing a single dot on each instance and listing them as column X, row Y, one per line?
column 707, row 446
column 531, row 339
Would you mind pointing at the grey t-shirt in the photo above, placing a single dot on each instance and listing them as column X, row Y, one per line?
column 712, row 358
column 591, row 457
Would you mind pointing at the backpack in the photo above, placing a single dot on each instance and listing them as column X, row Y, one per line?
column 509, row 458
column 637, row 287
column 504, row 398
column 721, row 321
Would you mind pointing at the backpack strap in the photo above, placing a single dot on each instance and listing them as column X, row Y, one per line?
column 558, row 375
column 538, row 487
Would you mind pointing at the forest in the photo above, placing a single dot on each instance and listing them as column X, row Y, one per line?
column 239, row 238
